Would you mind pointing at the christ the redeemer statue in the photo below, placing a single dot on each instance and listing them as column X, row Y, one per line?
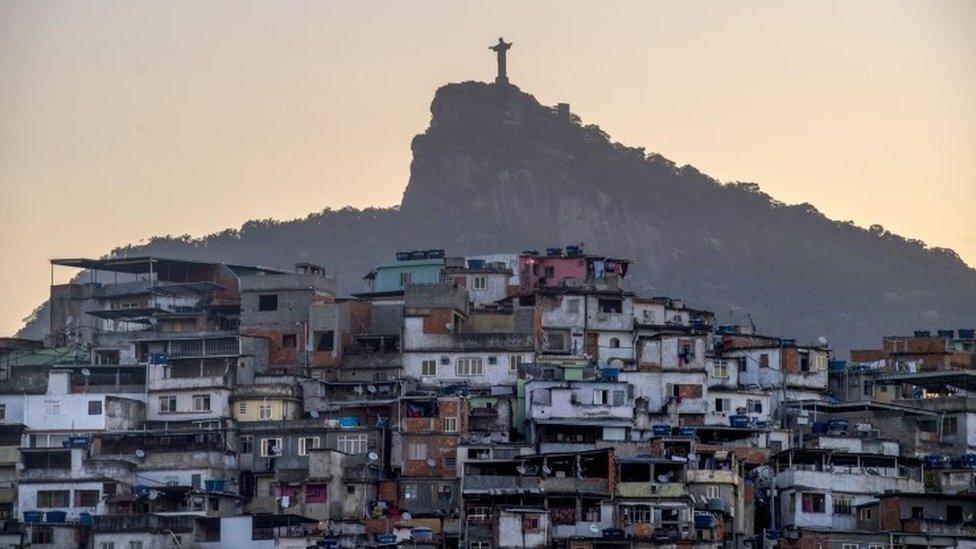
column 500, row 48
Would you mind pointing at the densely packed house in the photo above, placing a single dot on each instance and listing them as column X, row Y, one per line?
column 503, row 400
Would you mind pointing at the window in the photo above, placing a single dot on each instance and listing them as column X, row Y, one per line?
column 428, row 368
column 270, row 447
column 288, row 341
column 443, row 491
column 614, row 343
column 764, row 360
column 573, row 306
column 353, row 443
column 918, row 512
column 201, row 403
column 53, row 498
column 167, row 404
column 405, row 278
column 94, row 407
column 42, row 535
column 450, row 462
column 754, row 406
column 868, row 389
column 479, row 282
column 610, row 305
column 242, row 407
column 530, row 524
column 107, row 545
column 850, row 546
column 721, row 370
column 618, row 398
column 600, row 396
column 350, row 488
column 953, row 514
column 326, row 341
column 268, row 302
column 409, row 491
column 742, row 363
column 3, row 411
column 804, row 362
column 417, row 450
column 842, row 505
column 110, row 488
column 87, row 498
column 247, row 444
column 549, row 271
column 492, row 359
column 813, row 503
column 950, row 426
column 264, row 411
column 52, row 407
column 135, row 545
column 865, row 513
column 307, row 443
column 479, row 513
column 648, row 316
column 556, row 341
column 711, row 492
column 514, row 361
column 450, row 424
column 723, row 405
column 470, row 366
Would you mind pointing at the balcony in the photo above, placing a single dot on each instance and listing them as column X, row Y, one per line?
column 500, row 484
column 939, row 527
column 575, row 485
column 709, row 476
column 651, row 490
column 582, row 529
column 107, row 524
column 9, row 455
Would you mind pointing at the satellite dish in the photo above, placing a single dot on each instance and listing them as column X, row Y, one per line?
column 153, row 494
column 431, row 462
column 140, row 453
column 663, row 478
column 371, row 388
column 372, row 456
column 520, row 469
column 546, row 470
column 406, row 515
column 19, row 466
column 595, row 528
column 822, row 340
column 313, row 414
column 85, row 372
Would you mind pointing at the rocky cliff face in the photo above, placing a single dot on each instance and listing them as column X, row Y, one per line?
column 497, row 171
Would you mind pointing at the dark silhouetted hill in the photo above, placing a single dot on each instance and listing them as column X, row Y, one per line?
column 498, row 172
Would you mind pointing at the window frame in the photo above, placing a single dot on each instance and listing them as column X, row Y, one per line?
column 265, row 447
column 267, row 302
column 469, row 366
column 303, row 444
column 205, row 399
column 353, row 443
column 425, row 367
column 449, row 420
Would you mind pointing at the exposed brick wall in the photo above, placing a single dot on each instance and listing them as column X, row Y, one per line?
column 437, row 321
column 889, row 518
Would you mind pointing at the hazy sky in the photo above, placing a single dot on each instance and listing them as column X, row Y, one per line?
column 123, row 120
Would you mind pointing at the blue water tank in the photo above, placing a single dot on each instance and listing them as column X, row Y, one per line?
column 476, row 263
column 56, row 516
column 33, row 516
column 686, row 431
column 836, row 365
column 967, row 333
column 213, row 485
column 348, row 422
column 85, row 518
column 554, row 252
column 947, row 333
column 838, row 424
column 739, row 421
column 704, row 520
column 922, row 333
column 661, row 430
